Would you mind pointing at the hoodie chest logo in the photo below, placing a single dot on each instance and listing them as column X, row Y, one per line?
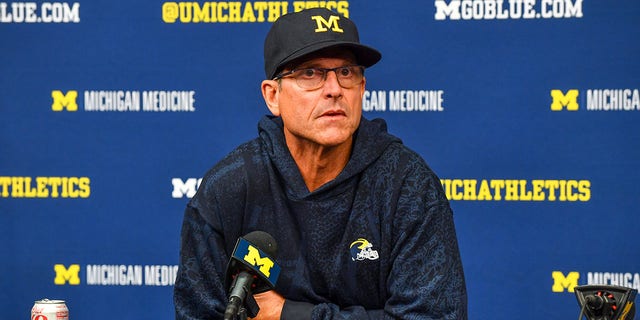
column 362, row 249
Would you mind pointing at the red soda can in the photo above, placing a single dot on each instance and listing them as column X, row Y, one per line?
column 46, row 309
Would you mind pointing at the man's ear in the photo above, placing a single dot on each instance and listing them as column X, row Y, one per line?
column 271, row 95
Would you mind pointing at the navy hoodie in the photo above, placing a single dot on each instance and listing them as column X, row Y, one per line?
column 377, row 242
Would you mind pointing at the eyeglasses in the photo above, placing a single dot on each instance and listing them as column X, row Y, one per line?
column 314, row 78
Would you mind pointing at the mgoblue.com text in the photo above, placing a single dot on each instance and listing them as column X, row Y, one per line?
column 507, row 9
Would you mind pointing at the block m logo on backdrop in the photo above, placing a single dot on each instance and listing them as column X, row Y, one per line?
column 61, row 100
column 186, row 188
column 568, row 100
column 562, row 282
column 64, row 274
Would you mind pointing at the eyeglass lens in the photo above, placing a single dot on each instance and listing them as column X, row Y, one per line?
column 313, row 78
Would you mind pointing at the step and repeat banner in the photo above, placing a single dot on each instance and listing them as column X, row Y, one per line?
column 111, row 112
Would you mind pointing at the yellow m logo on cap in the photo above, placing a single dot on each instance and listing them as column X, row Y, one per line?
column 324, row 25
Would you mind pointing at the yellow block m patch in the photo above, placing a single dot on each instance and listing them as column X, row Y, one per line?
column 60, row 100
column 569, row 100
column 64, row 274
column 560, row 282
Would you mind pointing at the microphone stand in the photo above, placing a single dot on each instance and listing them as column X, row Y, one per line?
column 242, row 313
column 249, row 309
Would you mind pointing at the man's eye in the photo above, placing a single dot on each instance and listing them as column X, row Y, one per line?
column 309, row 73
column 345, row 72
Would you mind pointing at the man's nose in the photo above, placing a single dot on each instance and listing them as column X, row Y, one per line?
column 332, row 84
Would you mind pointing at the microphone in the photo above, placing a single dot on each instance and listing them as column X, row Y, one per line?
column 252, row 268
column 602, row 305
column 606, row 302
column 594, row 302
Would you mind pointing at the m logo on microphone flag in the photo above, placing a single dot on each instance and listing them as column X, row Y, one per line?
column 257, row 260
column 264, row 264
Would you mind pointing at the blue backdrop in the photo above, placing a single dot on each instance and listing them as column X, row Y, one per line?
column 110, row 112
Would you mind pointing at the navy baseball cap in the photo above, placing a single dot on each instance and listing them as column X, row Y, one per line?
column 297, row 34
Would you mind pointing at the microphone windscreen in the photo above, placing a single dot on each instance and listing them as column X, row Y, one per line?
column 263, row 241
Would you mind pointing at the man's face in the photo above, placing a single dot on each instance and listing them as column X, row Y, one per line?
column 325, row 117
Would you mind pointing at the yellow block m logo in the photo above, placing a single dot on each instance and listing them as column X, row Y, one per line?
column 63, row 274
column 570, row 100
column 324, row 25
column 64, row 100
column 254, row 258
column 560, row 282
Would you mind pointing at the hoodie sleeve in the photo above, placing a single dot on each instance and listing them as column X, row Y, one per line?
column 207, row 238
column 426, row 280
column 198, row 291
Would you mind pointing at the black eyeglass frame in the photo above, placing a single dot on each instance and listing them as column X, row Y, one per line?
column 325, row 72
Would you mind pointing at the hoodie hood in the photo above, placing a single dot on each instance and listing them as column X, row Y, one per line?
column 371, row 139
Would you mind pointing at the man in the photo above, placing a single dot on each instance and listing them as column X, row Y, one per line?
column 363, row 226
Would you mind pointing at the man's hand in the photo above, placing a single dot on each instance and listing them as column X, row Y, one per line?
column 271, row 304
